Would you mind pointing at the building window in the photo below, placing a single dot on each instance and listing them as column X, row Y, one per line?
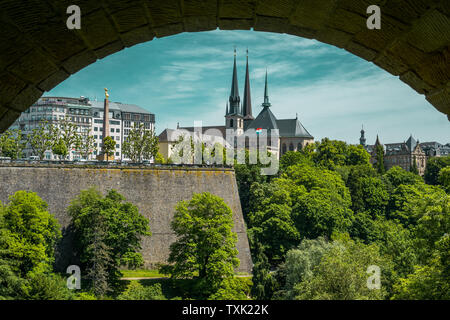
column 299, row 146
column 117, row 146
column 283, row 148
column 117, row 130
column 231, row 123
column 117, row 154
column 291, row 147
column 118, row 138
column 95, row 128
column 112, row 129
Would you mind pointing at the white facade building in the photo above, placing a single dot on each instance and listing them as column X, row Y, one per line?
column 88, row 116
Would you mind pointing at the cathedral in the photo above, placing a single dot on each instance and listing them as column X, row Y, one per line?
column 292, row 135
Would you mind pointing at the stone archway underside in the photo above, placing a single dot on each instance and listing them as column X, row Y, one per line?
column 38, row 51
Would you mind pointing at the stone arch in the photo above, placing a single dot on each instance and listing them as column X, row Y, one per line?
column 38, row 51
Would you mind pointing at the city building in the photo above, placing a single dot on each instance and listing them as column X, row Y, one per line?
column 88, row 116
column 402, row 154
column 292, row 135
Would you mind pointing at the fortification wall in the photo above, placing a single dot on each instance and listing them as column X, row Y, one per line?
column 155, row 191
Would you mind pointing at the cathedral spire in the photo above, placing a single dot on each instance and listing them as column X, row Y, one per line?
column 266, row 102
column 362, row 139
column 247, row 105
column 234, row 94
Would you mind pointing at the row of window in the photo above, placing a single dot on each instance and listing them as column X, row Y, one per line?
column 112, row 129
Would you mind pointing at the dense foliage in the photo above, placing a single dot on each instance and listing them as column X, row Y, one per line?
column 316, row 226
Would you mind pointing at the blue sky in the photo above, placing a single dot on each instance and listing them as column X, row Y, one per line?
column 187, row 77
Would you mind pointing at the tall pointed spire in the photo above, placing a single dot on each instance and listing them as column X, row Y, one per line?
column 226, row 110
column 247, row 105
column 266, row 102
column 234, row 94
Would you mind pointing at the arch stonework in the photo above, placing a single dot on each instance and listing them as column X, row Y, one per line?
column 38, row 51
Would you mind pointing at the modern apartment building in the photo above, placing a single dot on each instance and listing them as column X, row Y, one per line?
column 88, row 116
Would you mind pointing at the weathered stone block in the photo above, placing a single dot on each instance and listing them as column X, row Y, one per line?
column 347, row 21
column 79, row 61
column 431, row 32
column 280, row 8
column 168, row 30
column 97, row 29
column 436, row 69
column 10, row 86
column 108, row 49
column 199, row 7
column 361, row 51
column 391, row 64
column 271, row 24
column 164, row 12
column 26, row 98
column 129, row 18
column 441, row 100
column 312, row 14
column 415, row 82
column 199, row 23
column 53, row 80
column 136, row 36
column 334, row 37
column 237, row 9
column 236, row 24
column 34, row 67
column 7, row 119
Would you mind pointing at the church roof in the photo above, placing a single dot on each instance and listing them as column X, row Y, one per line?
column 292, row 128
column 265, row 120
column 411, row 143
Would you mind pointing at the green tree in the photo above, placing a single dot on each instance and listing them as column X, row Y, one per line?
column 271, row 222
column 431, row 281
column 357, row 155
column 140, row 144
column 68, row 133
column 444, row 178
column 42, row 138
column 28, row 234
column 206, row 245
column 397, row 176
column 264, row 284
column 379, row 151
column 109, row 146
column 84, row 144
column 108, row 233
column 434, row 165
column 12, row 144
column 159, row 158
column 291, row 158
column 342, row 274
column 321, row 201
column 136, row 291
column 60, row 149
column 300, row 263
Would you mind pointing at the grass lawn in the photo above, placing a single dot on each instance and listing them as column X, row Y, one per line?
column 141, row 273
